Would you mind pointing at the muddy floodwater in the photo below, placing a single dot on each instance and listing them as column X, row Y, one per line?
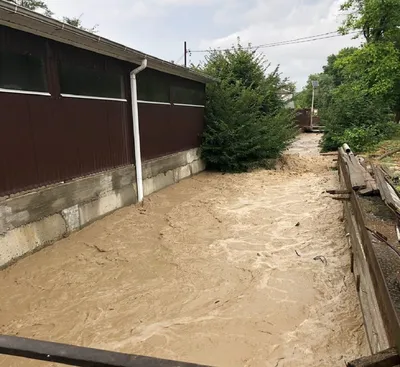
column 224, row 270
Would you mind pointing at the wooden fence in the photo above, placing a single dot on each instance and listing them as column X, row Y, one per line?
column 363, row 238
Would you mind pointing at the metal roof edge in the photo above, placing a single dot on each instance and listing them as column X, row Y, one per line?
column 29, row 21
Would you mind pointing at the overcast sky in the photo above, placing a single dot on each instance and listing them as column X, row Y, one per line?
column 159, row 27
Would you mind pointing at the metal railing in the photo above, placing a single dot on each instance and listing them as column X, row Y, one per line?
column 73, row 355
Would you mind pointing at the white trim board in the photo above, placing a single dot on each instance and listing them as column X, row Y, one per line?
column 153, row 102
column 188, row 105
column 17, row 91
column 65, row 95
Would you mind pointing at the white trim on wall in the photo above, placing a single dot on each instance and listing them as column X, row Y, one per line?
column 65, row 95
column 17, row 91
column 189, row 105
column 152, row 102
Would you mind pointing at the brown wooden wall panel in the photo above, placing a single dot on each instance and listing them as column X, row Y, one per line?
column 45, row 140
column 167, row 129
column 17, row 151
column 188, row 124
column 49, row 139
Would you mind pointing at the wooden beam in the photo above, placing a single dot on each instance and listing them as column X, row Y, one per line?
column 79, row 356
column 388, row 193
column 372, row 187
column 337, row 192
column 341, row 198
column 329, row 153
column 355, row 170
column 386, row 358
column 389, row 153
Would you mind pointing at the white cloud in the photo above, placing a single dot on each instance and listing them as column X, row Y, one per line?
column 270, row 21
column 159, row 27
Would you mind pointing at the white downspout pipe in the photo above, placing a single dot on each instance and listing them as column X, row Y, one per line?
column 136, row 133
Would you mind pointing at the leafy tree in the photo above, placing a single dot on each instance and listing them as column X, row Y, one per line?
column 40, row 5
column 379, row 58
column 373, row 69
column 377, row 20
column 332, row 68
column 247, row 123
column 355, row 118
column 34, row 5
column 77, row 22
column 366, row 95
column 360, row 111
column 331, row 77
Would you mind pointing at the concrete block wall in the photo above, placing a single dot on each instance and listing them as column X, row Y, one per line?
column 31, row 220
column 162, row 172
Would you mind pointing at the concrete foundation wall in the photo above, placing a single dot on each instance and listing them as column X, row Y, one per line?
column 34, row 219
column 162, row 172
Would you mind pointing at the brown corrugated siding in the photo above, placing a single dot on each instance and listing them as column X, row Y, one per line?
column 49, row 139
column 46, row 140
column 169, row 129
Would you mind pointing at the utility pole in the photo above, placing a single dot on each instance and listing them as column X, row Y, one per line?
column 185, row 53
column 314, row 85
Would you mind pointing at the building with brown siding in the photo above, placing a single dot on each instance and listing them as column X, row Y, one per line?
column 67, row 121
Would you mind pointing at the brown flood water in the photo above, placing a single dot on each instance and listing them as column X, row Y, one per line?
column 212, row 270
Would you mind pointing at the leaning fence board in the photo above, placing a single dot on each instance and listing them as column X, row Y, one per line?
column 371, row 185
column 79, row 356
column 388, row 193
column 355, row 170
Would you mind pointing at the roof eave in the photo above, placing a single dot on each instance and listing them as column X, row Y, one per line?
column 20, row 18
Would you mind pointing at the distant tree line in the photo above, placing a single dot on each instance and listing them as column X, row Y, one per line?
column 358, row 97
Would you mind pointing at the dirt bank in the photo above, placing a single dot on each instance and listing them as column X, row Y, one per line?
column 218, row 269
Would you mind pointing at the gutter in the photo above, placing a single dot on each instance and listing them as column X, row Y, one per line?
column 136, row 132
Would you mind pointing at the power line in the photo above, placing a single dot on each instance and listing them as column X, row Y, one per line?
column 316, row 37
column 296, row 39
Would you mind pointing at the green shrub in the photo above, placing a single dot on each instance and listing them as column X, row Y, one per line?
column 246, row 122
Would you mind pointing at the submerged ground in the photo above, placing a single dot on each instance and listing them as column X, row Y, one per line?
column 217, row 269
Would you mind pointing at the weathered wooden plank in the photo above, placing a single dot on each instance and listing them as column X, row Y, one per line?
column 341, row 198
column 337, row 192
column 386, row 358
column 373, row 321
column 398, row 231
column 388, row 193
column 386, row 332
column 389, row 153
column 380, row 181
column 355, row 169
column 372, row 187
column 329, row 154
column 79, row 356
